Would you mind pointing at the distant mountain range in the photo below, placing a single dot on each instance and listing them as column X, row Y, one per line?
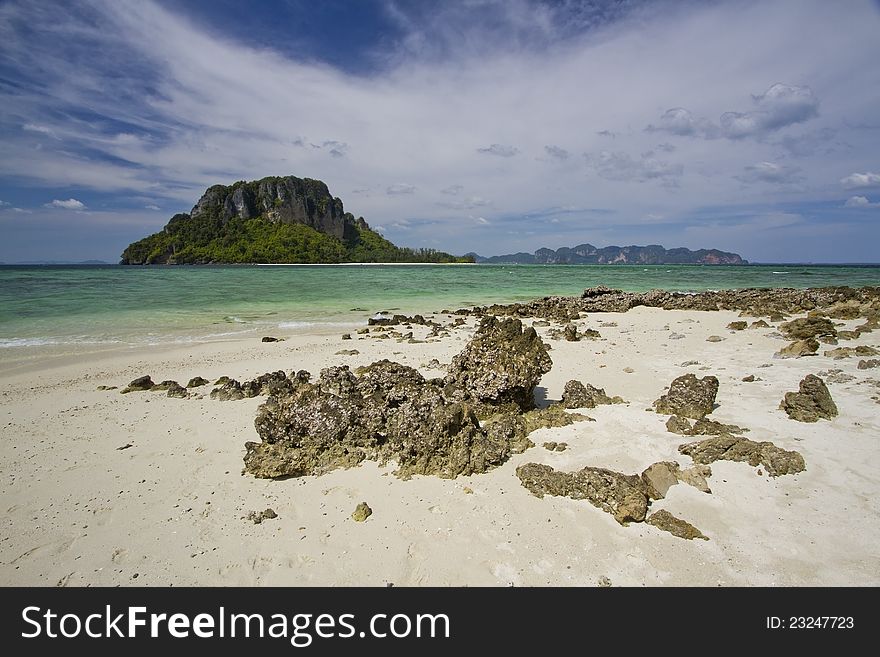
column 587, row 254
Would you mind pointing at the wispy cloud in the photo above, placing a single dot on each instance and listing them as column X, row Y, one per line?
column 501, row 150
column 400, row 188
column 770, row 172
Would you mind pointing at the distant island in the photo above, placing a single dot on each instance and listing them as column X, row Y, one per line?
column 587, row 254
column 277, row 220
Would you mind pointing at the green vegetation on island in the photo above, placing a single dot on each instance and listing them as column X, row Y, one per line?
column 273, row 220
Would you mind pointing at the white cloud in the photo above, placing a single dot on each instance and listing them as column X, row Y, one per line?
column 861, row 180
column 558, row 152
column 501, row 150
column 467, row 203
column 769, row 172
column 778, row 107
column 623, row 167
column 152, row 206
column 453, row 190
column 69, row 204
column 860, row 202
column 4, row 204
column 31, row 127
column 400, row 188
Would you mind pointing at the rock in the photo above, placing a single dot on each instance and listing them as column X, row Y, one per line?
column 550, row 418
column 799, row 348
column 258, row 517
column 675, row 526
column 570, row 332
column 704, row 427
column 269, row 338
column 836, row 376
column 270, row 383
column 579, row 395
column 827, row 339
column 555, row 447
column 689, row 397
column 679, row 425
column 750, row 378
column 628, row 370
column 735, row 326
column 346, row 336
column 676, row 336
column 808, row 327
column 197, row 382
column 347, row 352
column 688, row 363
column 869, row 364
column 811, row 402
column 540, row 322
column 229, row 391
column 361, row 512
column 846, row 352
column 603, row 582
column 223, row 380
column 116, row 387
column 696, row 476
column 759, row 324
column 777, row 461
column 139, row 384
column 848, row 335
column 164, row 385
column 623, row 496
column 501, row 364
column 363, row 331
column 178, row 391
column 659, row 477
column 714, row 338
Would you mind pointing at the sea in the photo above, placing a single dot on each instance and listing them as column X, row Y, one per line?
column 108, row 305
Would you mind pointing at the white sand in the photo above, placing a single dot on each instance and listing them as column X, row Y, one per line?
column 168, row 510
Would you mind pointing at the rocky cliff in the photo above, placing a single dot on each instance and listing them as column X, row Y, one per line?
column 587, row 254
column 272, row 220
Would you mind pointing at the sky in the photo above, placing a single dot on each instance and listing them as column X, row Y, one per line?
column 488, row 126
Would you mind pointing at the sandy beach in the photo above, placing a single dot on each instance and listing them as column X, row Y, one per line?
column 101, row 488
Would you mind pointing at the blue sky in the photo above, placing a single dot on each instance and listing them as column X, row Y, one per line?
column 478, row 125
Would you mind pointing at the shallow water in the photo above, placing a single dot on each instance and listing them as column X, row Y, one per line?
column 106, row 305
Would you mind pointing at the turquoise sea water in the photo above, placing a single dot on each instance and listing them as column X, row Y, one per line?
column 106, row 305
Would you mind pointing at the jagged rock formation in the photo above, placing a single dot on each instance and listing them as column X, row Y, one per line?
column 501, row 365
column 811, row 402
column 776, row 460
column 676, row 526
column 388, row 411
column 623, row 496
column 689, row 397
column 272, row 220
column 580, row 395
column 583, row 254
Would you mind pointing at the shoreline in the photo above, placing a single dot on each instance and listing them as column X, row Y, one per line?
column 140, row 489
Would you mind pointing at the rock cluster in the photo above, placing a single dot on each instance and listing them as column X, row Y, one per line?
column 468, row 422
column 752, row 302
column 626, row 497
